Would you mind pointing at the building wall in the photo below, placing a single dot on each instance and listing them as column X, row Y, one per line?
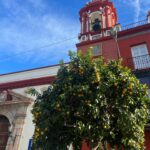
column 28, row 128
column 126, row 42
column 108, row 48
column 29, row 74
column 17, row 83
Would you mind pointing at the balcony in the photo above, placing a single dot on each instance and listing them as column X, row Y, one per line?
column 139, row 62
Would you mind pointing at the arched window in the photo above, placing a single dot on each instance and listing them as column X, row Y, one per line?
column 96, row 21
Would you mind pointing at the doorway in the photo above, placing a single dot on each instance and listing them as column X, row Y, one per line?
column 4, row 132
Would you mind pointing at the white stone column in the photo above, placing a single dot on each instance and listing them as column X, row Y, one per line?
column 15, row 136
column 18, row 130
column 82, row 22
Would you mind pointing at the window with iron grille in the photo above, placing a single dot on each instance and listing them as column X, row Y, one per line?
column 140, row 56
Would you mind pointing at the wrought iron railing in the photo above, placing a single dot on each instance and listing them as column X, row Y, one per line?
column 139, row 62
column 133, row 25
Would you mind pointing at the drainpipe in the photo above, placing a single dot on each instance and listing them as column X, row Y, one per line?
column 118, row 50
column 114, row 34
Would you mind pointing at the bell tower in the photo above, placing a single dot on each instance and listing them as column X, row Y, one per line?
column 97, row 18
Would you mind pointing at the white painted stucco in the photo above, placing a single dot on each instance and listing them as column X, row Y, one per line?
column 31, row 74
column 28, row 128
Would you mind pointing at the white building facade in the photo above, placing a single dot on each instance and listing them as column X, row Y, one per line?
column 16, row 126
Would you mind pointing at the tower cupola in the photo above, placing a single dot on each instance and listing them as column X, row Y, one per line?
column 97, row 18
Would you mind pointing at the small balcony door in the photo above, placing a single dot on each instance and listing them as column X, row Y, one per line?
column 141, row 57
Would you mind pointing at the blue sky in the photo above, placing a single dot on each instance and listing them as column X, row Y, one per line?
column 30, row 29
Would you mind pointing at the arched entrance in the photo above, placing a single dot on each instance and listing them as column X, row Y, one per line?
column 4, row 132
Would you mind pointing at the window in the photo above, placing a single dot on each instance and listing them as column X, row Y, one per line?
column 96, row 50
column 141, row 58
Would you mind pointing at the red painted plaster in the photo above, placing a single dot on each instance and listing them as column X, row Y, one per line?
column 110, row 14
column 108, row 47
column 147, row 139
column 126, row 39
column 125, row 45
column 85, row 146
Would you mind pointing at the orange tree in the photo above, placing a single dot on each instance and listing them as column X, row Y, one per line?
column 92, row 101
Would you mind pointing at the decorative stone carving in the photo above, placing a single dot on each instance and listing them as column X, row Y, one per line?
column 3, row 96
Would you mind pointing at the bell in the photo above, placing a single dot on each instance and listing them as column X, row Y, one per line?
column 96, row 26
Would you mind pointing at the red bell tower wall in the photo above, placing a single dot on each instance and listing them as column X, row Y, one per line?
column 97, row 19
